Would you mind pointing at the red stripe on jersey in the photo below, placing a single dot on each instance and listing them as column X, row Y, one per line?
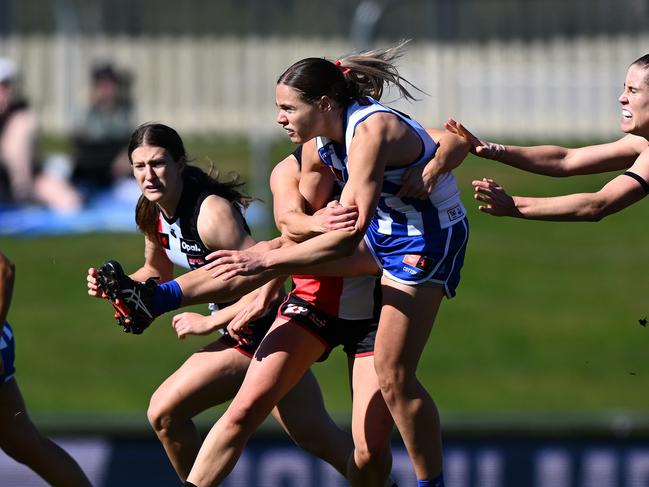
column 322, row 292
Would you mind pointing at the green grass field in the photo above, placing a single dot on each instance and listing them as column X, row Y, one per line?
column 545, row 321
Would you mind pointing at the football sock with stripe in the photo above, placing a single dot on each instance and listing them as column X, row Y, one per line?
column 436, row 482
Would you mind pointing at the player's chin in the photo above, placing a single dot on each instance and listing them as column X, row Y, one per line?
column 153, row 197
column 295, row 138
column 627, row 126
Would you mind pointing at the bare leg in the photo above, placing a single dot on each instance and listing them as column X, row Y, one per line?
column 283, row 357
column 209, row 377
column 303, row 415
column 407, row 318
column 371, row 428
column 20, row 439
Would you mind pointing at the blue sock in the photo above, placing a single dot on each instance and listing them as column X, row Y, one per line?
column 436, row 482
column 166, row 297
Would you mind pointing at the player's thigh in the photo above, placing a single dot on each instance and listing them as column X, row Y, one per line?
column 407, row 317
column 284, row 355
column 208, row 377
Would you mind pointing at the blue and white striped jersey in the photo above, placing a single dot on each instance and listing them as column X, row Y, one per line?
column 398, row 216
column 414, row 241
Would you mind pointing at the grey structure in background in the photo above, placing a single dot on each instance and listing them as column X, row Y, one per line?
column 508, row 68
column 435, row 20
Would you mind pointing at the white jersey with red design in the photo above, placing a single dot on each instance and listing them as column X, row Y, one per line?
column 182, row 248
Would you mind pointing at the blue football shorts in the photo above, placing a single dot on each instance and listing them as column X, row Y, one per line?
column 434, row 258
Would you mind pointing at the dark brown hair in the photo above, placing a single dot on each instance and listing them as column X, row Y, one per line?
column 349, row 78
column 159, row 135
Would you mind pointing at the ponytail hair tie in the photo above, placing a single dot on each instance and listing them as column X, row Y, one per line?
column 343, row 69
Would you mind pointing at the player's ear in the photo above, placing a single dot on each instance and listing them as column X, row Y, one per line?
column 325, row 104
column 182, row 163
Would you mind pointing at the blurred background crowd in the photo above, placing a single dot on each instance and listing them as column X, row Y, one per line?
column 98, row 158
column 88, row 71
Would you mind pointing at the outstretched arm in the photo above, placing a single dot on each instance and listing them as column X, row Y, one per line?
column 156, row 264
column 552, row 160
column 624, row 190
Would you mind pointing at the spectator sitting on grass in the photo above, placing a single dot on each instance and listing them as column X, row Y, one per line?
column 20, row 180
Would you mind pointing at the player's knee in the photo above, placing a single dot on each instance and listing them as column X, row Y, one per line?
column 160, row 415
column 242, row 414
column 395, row 379
column 371, row 454
column 391, row 381
column 247, row 413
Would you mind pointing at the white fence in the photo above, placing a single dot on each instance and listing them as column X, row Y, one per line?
column 564, row 88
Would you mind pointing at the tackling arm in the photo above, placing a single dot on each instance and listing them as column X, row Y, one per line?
column 368, row 155
column 624, row 190
column 299, row 189
column 552, row 160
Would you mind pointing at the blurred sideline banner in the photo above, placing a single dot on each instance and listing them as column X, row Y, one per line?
column 107, row 211
column 103, row 214
column 276, row 462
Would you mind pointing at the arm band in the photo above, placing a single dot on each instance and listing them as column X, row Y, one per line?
column 642, row 182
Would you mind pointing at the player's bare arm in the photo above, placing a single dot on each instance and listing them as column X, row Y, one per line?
column 557, row 161
column 373, row 144
column 220, row 225
column 622, row 191
column 156, row 263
